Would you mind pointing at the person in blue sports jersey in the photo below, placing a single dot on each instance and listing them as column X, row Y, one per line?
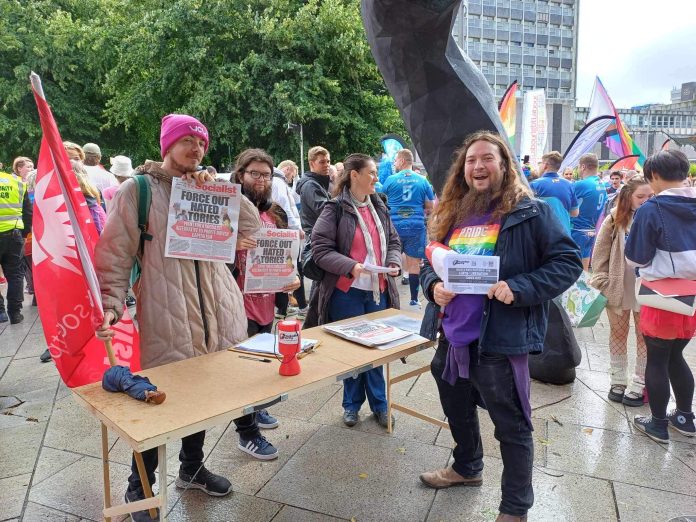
column 591, row 195
column 555, row 190
column 410, row 198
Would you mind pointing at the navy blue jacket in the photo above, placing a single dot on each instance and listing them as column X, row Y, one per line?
column 539, row 261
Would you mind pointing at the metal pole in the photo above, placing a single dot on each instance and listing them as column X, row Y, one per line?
column 301, row 150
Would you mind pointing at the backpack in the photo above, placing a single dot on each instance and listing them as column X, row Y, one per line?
column 144, row 197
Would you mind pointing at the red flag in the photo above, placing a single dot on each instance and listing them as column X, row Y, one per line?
column 65, row 282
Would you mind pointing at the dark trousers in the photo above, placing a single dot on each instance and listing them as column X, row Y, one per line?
column 11, row 254
column 254, row 328
column 28, row 274
column 191, row 457
column 282, row 300
column 491, row 383
column 666, row 365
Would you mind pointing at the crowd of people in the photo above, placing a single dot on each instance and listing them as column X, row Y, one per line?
column 545, row 234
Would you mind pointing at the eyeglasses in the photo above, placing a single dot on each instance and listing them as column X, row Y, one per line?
column 256, row 174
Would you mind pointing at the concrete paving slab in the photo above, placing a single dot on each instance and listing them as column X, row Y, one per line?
column 617, row 456
column 38, row 513
column 78, row 488
column 305, row 406
column 32, row 346
column 293, row 514
column 598, row 356
column 27, row 375
column 13, row 490
column 72, row 428
column 425, row 388
column 406, row 427
column 347, row 474
column 544, row 394
column 586, row 408
column 51, row 461
column 683, row 451
column 4, row 363
column 491, row 447
column 36, row 406
column 595, row 380
column 650, row 505
column 196, row 506
column 122, row 453
column 557, row 499
column 584, row 334
column 11, row 341
column 247, row 474
column 19, row 448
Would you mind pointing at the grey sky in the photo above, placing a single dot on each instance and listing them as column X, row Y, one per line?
column 639, row 48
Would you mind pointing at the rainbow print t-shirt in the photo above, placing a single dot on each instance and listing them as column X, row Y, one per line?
column 462, row 317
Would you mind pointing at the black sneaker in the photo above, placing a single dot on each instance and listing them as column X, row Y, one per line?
column 654, row 428
column 130, row 301
column 682, row 422
column 404, row 280
column 16, row 317
column 205, row 480
column 139, row 516
column 46, row 356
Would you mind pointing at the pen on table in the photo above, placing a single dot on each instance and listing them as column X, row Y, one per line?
column 254, row 358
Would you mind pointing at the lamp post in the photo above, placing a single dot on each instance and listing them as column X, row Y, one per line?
column 297, row 127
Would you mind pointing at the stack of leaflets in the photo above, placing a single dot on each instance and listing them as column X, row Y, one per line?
column 372, row 333
column 266, row 344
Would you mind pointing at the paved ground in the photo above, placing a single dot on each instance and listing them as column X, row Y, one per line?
column 590, row 463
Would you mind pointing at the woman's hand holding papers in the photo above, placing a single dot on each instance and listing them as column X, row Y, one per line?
column 442, row 296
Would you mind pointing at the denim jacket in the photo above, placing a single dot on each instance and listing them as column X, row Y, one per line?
column 539, row 261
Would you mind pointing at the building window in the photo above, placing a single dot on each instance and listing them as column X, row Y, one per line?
column 566, row 33
column 516, row 26
column 543, row 17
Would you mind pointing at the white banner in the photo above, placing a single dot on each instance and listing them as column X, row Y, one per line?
column 203, row 221
column 534, row 126
column 585, row 140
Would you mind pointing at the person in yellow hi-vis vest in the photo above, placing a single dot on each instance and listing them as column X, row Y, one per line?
column 15, row 224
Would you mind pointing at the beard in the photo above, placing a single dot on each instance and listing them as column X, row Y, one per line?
column 477, row 203
column 258, row 197
column 181, row 167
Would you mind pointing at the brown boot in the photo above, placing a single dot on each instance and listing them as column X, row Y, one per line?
column 502, row 517
column 445, row 478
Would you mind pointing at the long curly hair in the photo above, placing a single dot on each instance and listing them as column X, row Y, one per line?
column 449, row 210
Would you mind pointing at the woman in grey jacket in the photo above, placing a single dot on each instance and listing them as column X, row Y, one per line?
column 354, row 229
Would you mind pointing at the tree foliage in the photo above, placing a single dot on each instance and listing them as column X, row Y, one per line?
column 112, row 68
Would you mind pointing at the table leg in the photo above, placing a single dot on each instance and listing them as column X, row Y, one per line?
column 390, row 428
column 162, row 457
column 145, row 481
column 105, row 468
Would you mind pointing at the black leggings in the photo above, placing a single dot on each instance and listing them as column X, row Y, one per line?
column 666, row 365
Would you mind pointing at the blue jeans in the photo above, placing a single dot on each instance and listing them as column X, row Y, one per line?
column 355, row 303
column 491, row 382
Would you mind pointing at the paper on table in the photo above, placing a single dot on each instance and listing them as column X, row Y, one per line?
column 403, row 322
column 376, row 269
column 266, row 343
column 403, row 340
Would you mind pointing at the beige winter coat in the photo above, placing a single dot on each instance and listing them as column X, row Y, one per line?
column 171, row 295
column 608, row 262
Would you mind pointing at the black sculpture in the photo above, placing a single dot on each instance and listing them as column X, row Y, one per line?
column 441, row 94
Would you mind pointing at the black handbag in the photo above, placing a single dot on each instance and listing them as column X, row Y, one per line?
column 309, row 267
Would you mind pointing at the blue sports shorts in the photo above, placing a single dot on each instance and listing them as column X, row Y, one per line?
column 585, row 240
column 413, row 243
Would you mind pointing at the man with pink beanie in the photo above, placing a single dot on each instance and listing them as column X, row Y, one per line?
column 185, row 308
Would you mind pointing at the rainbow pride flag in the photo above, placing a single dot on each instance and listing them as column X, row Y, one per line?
column 508, row 112
column 617, row 139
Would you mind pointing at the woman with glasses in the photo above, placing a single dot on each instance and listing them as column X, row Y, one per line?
column 616, row 280
column 354, row 229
